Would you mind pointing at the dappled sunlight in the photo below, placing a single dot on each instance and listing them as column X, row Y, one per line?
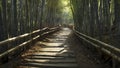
column 65, row 2
column 51, row 49
column 57, row 39
column 50, row 52
column 65, row 33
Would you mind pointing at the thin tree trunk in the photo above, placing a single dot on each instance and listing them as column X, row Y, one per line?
column 117, row 15
column 41, row 15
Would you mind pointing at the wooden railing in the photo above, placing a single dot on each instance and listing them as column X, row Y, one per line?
column 105, row 48
column 21, row 36
column 31, row 37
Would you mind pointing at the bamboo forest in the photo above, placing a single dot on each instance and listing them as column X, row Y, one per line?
column 59, row 33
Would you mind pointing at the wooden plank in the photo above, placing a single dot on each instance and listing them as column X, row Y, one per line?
column 72, row 60
column 54, row 39
column 49, row 53
column 69, row 65
column 51, row 49
column 53, row 54
column 49, row 44
column 44, row 57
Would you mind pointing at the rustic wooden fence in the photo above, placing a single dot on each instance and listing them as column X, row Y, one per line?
column 17, row 49
column 104, row 48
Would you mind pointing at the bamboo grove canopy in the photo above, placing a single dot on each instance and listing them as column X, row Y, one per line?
column 95, row 18
column 21, row 16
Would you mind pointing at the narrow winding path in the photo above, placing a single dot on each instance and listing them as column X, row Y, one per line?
column 52, row 52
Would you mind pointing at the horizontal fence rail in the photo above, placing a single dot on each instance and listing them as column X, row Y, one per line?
column 106, row 48
column 21, row 36
column 34, row 35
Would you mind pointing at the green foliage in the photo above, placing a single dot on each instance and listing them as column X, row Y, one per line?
column 67, row 15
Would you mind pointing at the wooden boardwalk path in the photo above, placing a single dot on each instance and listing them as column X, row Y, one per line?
column 50, row 53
